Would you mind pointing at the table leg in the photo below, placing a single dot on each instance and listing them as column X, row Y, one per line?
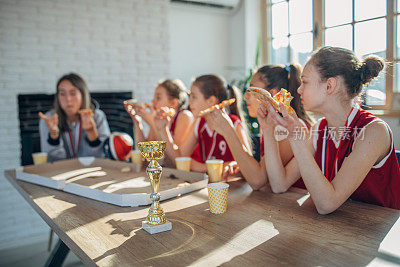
column 58, row 255
column 50, row 240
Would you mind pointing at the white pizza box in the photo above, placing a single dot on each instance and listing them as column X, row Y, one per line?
column 110, row 181
column 39, row 180
column 131, row 200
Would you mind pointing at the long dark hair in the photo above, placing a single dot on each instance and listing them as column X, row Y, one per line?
column 176, row 89
column 289, row 78
column 335, row 61
column 213, row 85
column 80, row 84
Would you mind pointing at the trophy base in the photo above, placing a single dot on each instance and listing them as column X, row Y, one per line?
column 154, row 229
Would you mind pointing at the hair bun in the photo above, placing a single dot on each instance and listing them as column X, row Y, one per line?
column 370, row 68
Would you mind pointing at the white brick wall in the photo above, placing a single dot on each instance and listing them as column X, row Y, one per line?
column 114, row 45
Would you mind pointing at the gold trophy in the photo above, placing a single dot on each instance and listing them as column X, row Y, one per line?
column 155, row 220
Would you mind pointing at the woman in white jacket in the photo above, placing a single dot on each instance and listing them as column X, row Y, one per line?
column 75, row 127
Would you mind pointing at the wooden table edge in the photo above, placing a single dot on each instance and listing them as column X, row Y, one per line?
column 11, row 177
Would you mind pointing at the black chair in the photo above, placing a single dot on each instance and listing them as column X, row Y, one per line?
column 30, row 104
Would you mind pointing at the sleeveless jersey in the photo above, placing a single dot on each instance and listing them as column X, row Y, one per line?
column 196, row 152
column 211, row 144
column 173, row 122
column 381, row 186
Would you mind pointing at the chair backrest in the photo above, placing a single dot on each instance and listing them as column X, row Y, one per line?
column 30, row 104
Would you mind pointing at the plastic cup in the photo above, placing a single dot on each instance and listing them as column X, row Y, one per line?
column 136, row 157
column 218, row 197
column 183, row 163
column 137, row 160
column 214, row 170
column 39, row 158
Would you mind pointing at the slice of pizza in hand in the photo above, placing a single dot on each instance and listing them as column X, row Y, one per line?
column 221, row 105
column 282, row 96
column 166, row 111
column 135, row 103
column 86, row 111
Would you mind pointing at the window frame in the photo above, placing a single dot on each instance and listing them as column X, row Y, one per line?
column 318, row 31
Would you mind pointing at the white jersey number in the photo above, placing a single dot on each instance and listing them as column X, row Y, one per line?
column 222, row 147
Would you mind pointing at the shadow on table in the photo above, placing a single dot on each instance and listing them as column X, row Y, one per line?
column 258, row 228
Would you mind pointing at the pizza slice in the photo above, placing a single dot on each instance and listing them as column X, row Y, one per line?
column 135, row 103
column 86, row 111
column 166, row 111
column 282, row 96
column 221, row 105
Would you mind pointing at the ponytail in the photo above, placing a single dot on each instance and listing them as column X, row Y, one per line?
column 212, row 85
column 370, row 68
column 293, row 84
column 287, row 77
column 236, row 109
column 176, row 89
column 336, row 61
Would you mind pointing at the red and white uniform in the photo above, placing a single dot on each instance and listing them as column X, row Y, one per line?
column 196, row 152
column 213, row 145
column 173, row 122
column 381, row 186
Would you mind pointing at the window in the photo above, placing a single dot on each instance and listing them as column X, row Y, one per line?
column 364, row 26
column 292, row 39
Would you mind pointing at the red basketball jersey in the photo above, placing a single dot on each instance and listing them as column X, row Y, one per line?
column 381, row 186
column 211, row 144
column 196, row 152
column 173, row 122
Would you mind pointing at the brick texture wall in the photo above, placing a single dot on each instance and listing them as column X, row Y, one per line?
column 114, row 45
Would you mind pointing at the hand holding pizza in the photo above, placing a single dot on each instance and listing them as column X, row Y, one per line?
column 51, row 122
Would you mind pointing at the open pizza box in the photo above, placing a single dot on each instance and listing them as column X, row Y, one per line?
column 110, row 181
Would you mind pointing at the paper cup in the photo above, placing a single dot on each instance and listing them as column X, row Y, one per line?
column 39, row 158
column 214, row 170
column 137, row 161
column 136, row 157
column 183, row 163
column 218, row 197
column 86, row 161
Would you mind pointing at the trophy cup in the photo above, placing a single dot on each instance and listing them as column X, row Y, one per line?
column 155, row 220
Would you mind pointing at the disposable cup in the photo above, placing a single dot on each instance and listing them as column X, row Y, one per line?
column 218, row 197
column 214, row 170
column 39, row 158
column 183, row 163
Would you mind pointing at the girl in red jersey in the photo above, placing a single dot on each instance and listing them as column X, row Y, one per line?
column 207, row 91
column 168, row 93
column 272, row 78
column 351, row 153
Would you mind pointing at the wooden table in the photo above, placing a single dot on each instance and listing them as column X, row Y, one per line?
column 259, row 228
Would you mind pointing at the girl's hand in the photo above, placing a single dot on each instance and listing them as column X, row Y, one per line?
column 130, row 108
column 290, row 122
column 88, row 123
column 264, row 118
column 161, row 121
column 230, row 168
column 147, row 116
column 218, row 121
column 51, row 122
